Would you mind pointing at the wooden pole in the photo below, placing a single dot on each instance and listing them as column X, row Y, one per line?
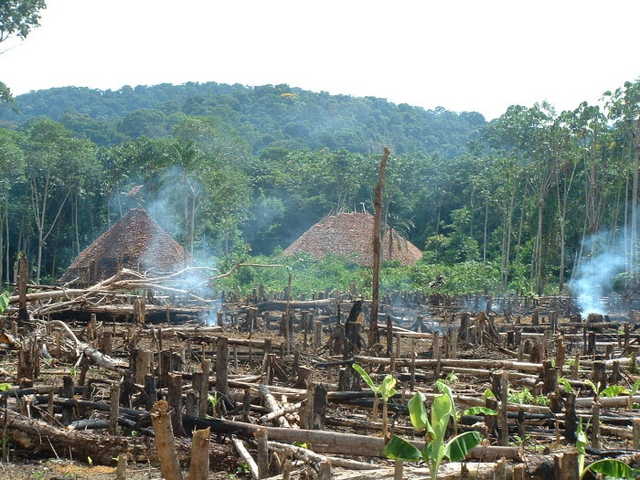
column 23, row 279
column 115, row 409
column 222, row 361
column 203, row 390
column 636, row 433
column 595, row 425
column 174, row 396
column 377, row 250
column 262, row 439
column 143, row 360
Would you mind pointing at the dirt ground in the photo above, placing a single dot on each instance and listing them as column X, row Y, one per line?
column 52, row 469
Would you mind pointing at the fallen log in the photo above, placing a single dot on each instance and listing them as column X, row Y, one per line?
column 271, row 403
column 335, row 442
column 281, row 305
column 609, row 402
column 36, row 436
column 450, row 362
column 246, row 456
column 312, row 457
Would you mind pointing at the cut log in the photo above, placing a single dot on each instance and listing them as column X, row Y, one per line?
column 246, row 456
column 281, row 306
column 272, row 405
column 336, row 442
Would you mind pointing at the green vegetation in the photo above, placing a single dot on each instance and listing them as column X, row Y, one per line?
column 235, row 172
column 340, row 274
column 276, row 117
column 525, row 397
column 436, row 448
column 608, row 467
column 385, row 391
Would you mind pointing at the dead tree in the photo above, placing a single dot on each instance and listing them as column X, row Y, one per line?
column 377, row 250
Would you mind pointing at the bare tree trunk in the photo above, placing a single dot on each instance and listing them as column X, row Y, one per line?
column 538, row 249
column 634, row 201
column 75, row 225
column 626, row 228
column 8, row 245
column 506, row 243
column 375, row 283
column 562, row 253
column 39, row 201
column 484, row 234
column 2, row 237
column 192, row 228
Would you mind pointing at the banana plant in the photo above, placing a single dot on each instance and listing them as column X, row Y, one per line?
column 608, row 467
column 610, row 391
column 436, row 448
column 383, row 391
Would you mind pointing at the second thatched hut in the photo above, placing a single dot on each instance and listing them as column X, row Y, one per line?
column 350, row 235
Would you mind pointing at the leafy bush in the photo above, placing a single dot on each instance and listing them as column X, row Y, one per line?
column 334, row 273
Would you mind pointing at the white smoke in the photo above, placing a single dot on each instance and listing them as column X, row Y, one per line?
column 595, row 275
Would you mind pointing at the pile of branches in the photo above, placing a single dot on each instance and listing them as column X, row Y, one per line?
column 114, row 290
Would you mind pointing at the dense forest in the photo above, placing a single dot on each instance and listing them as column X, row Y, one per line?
column 234, row 171
column 264, row 116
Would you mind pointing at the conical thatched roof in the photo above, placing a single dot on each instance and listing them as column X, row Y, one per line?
column 136, row 242
column 349, row 235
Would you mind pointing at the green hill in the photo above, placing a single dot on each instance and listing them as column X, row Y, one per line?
column 264, row 116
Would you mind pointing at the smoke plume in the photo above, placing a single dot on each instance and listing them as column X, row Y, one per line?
column 595, row 275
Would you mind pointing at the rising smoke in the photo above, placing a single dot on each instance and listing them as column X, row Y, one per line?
column 165, row 199
column 595, row 275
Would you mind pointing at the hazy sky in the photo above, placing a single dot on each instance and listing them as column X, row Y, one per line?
column 480, row 55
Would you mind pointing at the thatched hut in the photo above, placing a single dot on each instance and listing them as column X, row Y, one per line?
column 135, row 242
column 349, row 235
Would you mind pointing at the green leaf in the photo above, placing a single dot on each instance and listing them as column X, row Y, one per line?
column 399, row 449
column 386, row 389
column 611, row 468
column 479, row 411
column 593, row 386
column 458, row 447
column 441, row 410
column 418, row 412
column 566, row 384
column 614, row 391
column 489, row 394
column 4, row 387
column 442, row 387
column 367, row 379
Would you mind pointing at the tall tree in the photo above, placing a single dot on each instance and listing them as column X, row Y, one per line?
column 53, row 160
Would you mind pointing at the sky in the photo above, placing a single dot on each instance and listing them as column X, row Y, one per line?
column 480, row 55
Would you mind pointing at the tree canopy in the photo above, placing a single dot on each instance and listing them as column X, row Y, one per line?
column 233, row 171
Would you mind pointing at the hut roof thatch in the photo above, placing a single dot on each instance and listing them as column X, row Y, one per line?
column 349, row 235
column 136, row 242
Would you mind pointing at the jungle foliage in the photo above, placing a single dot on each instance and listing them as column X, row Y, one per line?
column 235, row 172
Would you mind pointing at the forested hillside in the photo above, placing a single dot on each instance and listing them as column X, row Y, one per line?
column 263, row 116
column 233, row 171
